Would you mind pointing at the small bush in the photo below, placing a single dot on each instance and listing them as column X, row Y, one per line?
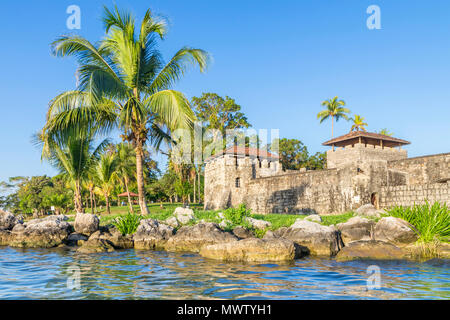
column 128, row 223
column 237, row 215
column 431, row 222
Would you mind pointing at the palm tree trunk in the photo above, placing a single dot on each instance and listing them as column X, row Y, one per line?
column 332, row 126
column 92, row 199
column 77, row 198
column 128, row 194
column 108, row 209
column 140, row 181
column 195, row 182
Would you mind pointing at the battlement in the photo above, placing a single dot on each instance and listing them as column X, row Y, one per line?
column 340, row 157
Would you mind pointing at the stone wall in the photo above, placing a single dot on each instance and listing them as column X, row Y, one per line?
column 409, row 195
column 361, row 152
column 424, row 170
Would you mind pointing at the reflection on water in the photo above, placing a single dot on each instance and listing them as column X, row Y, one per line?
column 129, row 274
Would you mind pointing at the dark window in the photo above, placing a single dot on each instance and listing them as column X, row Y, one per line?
column 238, row 182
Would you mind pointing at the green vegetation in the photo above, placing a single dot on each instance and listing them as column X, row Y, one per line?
column 358, row 123
column 237, row 215
column 431, row 221
column 334, row 110
column 335, row 219
column 294, row 155
column 127, row 224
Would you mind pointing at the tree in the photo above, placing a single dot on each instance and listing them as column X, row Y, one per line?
column 358, row 123
column 385, row 132
column 30, row 194
column 126, row 164
column 124, row 83
column 334, row 109
column 293, row 153
column 106, row 173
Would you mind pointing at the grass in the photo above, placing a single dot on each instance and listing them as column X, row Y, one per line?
column 127, row 224
column 431, row 221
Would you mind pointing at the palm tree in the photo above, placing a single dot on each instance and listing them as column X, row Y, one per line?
column 385, row 132
column 74, row 157
column 358, row 123
column 334, row 109
column 106, row 176
column 124, row 83
column 126, row 167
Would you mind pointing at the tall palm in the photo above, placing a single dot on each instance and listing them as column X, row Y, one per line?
column 106, row 176
column 358, row 123
column 124, row 83
column 385, row 132
column 73, row 157
column 334, row 110
column 126, row 167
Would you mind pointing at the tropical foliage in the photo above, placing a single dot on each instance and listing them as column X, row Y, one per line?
column 127, row 224
column 358, row 124
column 334, row 109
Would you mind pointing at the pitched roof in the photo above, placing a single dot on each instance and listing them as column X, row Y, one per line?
column 246, row 151
column 366, row 137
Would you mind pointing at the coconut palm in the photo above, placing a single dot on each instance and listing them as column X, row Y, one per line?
column 106, row 175
column 358, row 123
column 124, row 83
column 385, row 132
column 334, row 110
column 74, row 157
column 126, row 167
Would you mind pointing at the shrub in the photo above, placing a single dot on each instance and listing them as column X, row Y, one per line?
column 237, row 215
column 128, row 223
column 432, row 222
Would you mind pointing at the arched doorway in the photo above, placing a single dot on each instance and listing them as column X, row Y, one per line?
column 374, row 200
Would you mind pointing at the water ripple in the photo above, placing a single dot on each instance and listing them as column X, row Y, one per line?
column 130, row 274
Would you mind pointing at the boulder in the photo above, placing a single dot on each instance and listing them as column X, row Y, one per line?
column 86, row 223
column 356, row 228
column 5, row 237
column 371, row 250
column 113, row 237
column 368, row 210
column 41, row 233
column 172, row 222
column 193, row 238
column 184, row 215
column 243, row 233
column 76, row 239
column 395, row 230
column 314, row 218
column 152, row 235
column 320, row 240
column 258, row 224
column 95, row 246
column 251, row 250
column 8, row 220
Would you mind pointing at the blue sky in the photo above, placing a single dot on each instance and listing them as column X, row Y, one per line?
column 278, row 59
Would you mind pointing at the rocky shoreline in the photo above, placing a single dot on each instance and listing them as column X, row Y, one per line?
column 358, row 238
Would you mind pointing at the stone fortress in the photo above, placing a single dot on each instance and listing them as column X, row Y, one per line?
column 362, row 168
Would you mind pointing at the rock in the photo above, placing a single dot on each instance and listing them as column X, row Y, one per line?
column 86, row 223
column 172, row 222
column 7, row 220
column 76, row 239
column 356, row 228
column 251, row 250
column 258, row 224
column 368, row 210
column 184, row 215
column 320, row 240
column 314, row 218
column 225, row 224
column 41, row 233
column 193, row 238
column 371, row 249
column 243, row 233
column 95, row 246
column 152, row 235
column 5, row 237
column 395, row 230
column 114, row 238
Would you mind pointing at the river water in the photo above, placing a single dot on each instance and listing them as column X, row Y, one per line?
column 130, row 274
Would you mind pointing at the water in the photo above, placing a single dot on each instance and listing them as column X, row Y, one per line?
column 130, row 274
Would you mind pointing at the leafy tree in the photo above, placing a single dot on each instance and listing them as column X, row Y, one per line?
column 293, row 153
column 106, row 173
column 317, row 162
column 358, row 123
column 124, row 83
column 334, row 110
column 30, row 194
